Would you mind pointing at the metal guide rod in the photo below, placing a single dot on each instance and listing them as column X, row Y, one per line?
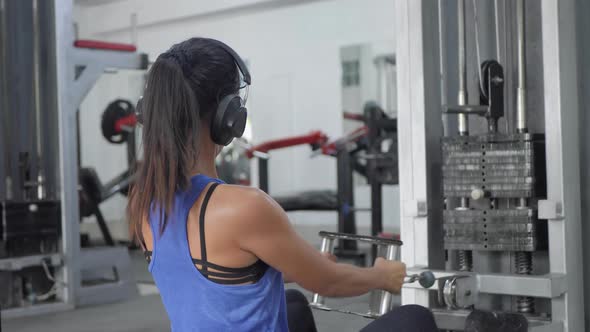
column 521, row 88
column 523, row 260
column 464, row 257
column 37, row 100
column 5, row 191
column 442, row 45
column 497, row 30
column 462, row 96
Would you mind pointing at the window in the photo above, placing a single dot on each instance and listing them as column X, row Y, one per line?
column 351, row 73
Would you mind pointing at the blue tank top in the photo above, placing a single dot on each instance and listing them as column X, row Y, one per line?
column 195, row 303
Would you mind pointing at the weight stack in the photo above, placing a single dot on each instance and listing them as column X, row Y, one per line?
column 497, row 169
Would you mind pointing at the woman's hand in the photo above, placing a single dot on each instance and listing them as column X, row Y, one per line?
column 392, row 274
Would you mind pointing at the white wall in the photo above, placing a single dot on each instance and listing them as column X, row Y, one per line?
column 293, row 52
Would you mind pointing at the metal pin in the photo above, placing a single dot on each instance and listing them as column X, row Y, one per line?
column 426, row 279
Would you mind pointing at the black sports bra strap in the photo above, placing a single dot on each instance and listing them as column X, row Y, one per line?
column 202, row 224
column 148, row 255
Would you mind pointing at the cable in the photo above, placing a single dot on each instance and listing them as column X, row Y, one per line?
column 56, row 284
column 501, row 56
column 46, row 270
column 497, row 29
column 51, row 292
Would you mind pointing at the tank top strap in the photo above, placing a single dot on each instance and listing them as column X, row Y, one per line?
column 202, row 224
column 174, row 238
column 198, row 185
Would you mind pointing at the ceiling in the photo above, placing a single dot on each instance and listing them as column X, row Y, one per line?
column 89, row 3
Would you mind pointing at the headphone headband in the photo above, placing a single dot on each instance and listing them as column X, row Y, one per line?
column 229, row 119
column 237, row 59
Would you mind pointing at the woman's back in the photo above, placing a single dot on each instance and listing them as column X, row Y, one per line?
column 194, row 301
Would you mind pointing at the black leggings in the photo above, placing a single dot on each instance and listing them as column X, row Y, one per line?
column 407, row 318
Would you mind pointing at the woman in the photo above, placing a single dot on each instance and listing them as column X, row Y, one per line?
column 219, row 253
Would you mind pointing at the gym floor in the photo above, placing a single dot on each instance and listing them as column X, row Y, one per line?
column 145, row 312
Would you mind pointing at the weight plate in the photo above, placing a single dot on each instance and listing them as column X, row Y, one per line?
column 115, row 111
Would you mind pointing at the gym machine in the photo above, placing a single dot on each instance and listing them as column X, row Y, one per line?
column 44, row 76
column 490, row 196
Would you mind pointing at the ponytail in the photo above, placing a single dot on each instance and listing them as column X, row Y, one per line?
column 170, row 133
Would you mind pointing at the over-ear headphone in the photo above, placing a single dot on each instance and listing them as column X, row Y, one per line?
column 229, row 120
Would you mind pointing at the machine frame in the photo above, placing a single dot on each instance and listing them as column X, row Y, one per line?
column 420, row 129
column 77, row 70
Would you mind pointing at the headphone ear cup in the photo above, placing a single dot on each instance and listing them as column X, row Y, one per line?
column 139, row 110
column 238, row 124
column 229, row 121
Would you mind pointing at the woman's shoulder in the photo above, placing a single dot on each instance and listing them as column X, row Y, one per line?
column 243, row 193
column 246, row 202
column 244, row 196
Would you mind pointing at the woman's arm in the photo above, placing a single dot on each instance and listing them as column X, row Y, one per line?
column 327, row 255
column 266, row 232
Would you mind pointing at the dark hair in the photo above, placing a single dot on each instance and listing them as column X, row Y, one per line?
column 183, row 88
